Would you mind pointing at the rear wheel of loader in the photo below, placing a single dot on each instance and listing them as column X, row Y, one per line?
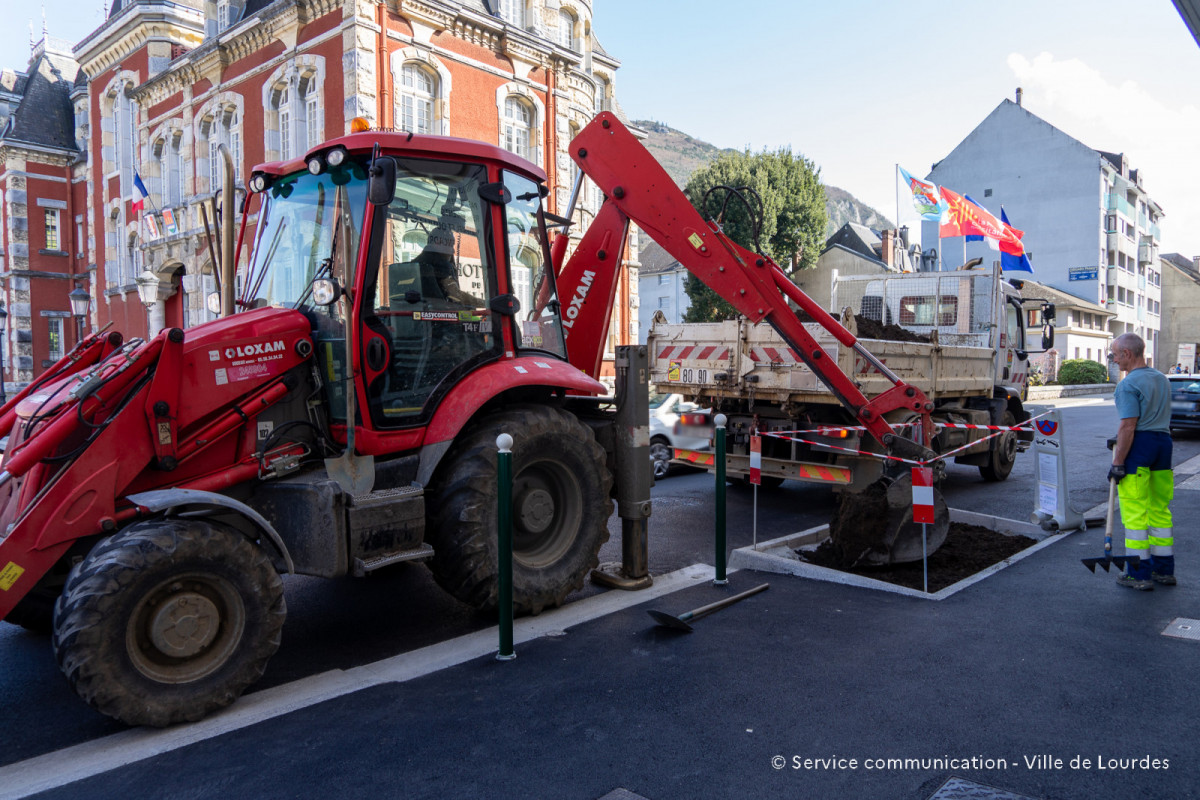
column 168, row 621
column 1003, row 453
column 561, row 507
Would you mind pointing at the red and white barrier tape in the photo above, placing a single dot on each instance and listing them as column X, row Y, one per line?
column 998, row 429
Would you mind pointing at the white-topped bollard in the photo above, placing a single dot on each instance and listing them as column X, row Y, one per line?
column 1052, row 507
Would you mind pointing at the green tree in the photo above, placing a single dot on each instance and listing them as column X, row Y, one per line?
column 793, row 215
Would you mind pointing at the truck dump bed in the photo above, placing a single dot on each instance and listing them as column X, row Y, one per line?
column 739, row 359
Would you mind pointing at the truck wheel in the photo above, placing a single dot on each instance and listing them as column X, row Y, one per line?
column 660, row 456
column 1003, row 453
column 561, row 507
column 168, row 621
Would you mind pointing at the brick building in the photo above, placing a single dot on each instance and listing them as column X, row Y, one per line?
column 43, row 245
column 169, row 81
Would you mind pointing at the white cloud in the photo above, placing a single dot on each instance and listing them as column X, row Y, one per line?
column 1159, row 139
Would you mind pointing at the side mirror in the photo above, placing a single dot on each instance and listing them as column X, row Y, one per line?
column 1048, row 314
column 381, row 188
column 1047, row 337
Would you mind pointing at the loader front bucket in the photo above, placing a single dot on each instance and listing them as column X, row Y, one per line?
column 875, row 527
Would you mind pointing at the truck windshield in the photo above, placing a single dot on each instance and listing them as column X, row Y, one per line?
column 304, row 219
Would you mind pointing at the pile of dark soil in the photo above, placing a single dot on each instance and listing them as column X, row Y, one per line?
column 872, row 329
column 968, row 549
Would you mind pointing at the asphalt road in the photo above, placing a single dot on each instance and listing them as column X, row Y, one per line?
column 345, row 623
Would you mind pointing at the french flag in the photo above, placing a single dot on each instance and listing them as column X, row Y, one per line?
column 139, row 194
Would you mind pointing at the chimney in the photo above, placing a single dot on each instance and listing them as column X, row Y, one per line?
column 1019, row 93
column 888, row 248
column 1196, row 262
column 904, row 236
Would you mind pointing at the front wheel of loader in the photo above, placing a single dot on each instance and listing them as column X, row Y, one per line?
column 1003, row 453
column 168, row 621
column 560, row 504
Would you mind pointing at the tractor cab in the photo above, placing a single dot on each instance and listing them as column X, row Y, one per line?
column 432, row 248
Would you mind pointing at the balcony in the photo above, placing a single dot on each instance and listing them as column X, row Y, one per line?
column 1118, row 203
column 1147, row 251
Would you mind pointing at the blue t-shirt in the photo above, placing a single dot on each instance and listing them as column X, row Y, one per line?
column 1146, row 394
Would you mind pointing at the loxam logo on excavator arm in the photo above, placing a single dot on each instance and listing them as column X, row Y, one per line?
column 581, row 293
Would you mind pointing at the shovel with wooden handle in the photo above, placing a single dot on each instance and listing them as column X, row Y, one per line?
column 1108, row 558
column 680, row 623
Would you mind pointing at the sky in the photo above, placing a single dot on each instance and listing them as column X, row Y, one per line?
column 858, row 86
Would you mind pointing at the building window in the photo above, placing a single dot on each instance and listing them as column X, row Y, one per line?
column 52, row 242
column 171, row 169
column 566, row 29
column 513, row 12
column 287, row 149
column 664, row 302
column 418, row 90
column 1035, row 317
column 79, row 246
column 55, row 339
column 222, row 127
column 312, row 112
column 518, row 126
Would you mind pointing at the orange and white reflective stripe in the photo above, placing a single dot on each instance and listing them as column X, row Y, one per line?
column 695, row 457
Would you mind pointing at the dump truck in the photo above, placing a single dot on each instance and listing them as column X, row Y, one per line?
column 958, row 336
column 407, row 300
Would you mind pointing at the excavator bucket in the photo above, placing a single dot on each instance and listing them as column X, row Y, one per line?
column 875, row 527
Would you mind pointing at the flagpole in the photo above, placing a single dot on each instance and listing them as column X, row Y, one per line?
column 896, row 180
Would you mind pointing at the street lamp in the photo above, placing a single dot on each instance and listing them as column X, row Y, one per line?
column 81, row 303
column 3, row 319
column 147, row 289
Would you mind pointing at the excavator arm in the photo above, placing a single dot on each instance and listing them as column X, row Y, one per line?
column 638, row 189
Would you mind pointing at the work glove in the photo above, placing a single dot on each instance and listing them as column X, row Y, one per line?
column 1116, row 472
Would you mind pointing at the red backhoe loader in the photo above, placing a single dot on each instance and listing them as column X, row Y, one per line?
column 404, row 304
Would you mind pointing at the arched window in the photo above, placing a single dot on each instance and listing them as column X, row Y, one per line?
column 222, row 127
column 513, row 12
column 418, row 90
column 518, row 126
column 566, row 29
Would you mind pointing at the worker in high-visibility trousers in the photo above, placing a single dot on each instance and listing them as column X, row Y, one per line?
column 1141, row 466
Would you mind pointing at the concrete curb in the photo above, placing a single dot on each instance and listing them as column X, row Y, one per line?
column 778, row 556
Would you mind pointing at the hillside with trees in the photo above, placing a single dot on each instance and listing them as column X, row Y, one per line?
column 681, row 155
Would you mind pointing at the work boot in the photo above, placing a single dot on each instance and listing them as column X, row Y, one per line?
column 1162, row 569
column 1135, row 583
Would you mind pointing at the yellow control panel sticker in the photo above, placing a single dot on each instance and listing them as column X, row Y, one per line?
column 696, row 241
column 673, row 371
column 10, row 575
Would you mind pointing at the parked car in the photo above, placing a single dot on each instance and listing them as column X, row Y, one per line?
column 1185, row 402
column 667, row 432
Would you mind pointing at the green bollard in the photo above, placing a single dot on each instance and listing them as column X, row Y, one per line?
column 720, row 579
column 504, row 546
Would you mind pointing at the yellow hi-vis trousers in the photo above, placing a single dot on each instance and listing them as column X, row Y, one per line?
column 1145, row 511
